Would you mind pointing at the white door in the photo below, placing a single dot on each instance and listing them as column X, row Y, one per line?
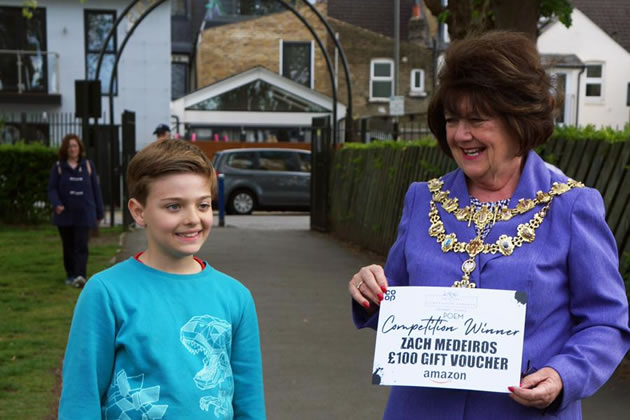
column 565, row 97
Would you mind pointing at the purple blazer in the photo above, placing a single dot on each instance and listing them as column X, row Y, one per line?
column 577, row 310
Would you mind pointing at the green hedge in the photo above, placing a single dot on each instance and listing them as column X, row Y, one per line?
column 591, row 133
column 24, row 172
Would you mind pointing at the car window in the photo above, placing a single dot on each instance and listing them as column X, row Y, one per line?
column 278, row 161
column 305, row 162
column 242, row 160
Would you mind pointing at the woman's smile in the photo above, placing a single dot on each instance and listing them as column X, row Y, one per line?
column 472, row 153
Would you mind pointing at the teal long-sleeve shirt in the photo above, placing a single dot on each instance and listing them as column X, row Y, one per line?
column 154, row 345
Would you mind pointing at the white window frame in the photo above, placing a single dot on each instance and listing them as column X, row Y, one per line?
column 594, row 81
column 416, row 90
column 374, row 78
column 281, row 66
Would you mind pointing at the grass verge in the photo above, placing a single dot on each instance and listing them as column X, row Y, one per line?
column 36, row 310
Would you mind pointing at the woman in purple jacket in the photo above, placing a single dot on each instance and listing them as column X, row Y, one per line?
column 77, row 204
column 507, row 220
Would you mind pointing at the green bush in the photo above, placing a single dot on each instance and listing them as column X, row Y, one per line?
column 429, row 141
column 24, row 172
column 591, row 133
column 588, row 132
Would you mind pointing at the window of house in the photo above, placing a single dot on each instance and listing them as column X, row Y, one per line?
column 297, row 62
column 179, row 7
column 98, row 23
column 381, row 79
column 179, row 76
column 417, row 82
column 257, row 96
column 28, row 70
column 594, row 80
column 258, row 7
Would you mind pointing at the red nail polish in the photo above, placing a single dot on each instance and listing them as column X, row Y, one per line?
column 366, row 304
column 511, row 388
column 380, row 296
column 384, row 289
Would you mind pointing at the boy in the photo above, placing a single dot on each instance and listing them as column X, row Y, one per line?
column 163, row 334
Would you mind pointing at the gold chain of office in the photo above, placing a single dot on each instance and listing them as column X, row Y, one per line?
column 525, row 232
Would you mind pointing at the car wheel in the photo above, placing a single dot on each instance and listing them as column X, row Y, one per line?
column 242, row 202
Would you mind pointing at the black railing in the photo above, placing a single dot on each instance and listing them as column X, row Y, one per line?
column 407, row 128
column 24, row 71
column 40, row 127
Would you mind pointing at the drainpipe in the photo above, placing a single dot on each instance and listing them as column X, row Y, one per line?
column 396, row 46
column 577, row 104
column 396, row 89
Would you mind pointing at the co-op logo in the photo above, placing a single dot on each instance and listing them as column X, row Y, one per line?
column 452, row 315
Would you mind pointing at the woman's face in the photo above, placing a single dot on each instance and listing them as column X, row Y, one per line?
column 73, row 149
column 482, row 146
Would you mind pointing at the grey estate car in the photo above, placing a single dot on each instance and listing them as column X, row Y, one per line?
column 265, row 178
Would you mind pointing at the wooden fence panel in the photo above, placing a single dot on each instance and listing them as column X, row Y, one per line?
column 576, row 158
column 567, row 153
column 587, row 159
column 611, row 172
column 369, row 186
column 599, row 158
column 555, row 151
column 619, row 215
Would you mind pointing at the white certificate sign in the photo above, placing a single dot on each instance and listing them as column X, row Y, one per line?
column 445, row 337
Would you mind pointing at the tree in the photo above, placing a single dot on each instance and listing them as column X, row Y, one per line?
column 473, row 16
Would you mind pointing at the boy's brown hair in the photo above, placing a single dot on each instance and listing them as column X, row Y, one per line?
column 166, row 157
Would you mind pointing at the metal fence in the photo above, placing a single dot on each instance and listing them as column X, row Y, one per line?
column 40, row 127
column 411, row 127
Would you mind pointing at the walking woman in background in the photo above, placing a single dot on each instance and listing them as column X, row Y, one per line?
column 77, row 204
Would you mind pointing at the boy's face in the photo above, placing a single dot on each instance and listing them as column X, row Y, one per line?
column 177, row 215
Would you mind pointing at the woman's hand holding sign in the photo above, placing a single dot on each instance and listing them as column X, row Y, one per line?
column 539, row 389
column 368, row 286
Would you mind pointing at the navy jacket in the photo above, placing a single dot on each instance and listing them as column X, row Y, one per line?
column 78, row 191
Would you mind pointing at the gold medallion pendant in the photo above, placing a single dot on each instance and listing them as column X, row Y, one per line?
column 506, row 245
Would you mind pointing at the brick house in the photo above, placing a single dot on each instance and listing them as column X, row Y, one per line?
column 280, row 43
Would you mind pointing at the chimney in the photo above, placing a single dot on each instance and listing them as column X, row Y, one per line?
column 417, row 27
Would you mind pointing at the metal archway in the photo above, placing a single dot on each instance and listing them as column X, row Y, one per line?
column 287, row 6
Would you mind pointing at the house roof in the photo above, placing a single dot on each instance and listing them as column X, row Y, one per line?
column 612, row 16
column 561, row 60
column 219, row 101
column 374, row 15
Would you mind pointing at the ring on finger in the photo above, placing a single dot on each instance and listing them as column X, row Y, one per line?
column 358, row 286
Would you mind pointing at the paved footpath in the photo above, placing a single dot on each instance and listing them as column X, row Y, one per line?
column 316, row 365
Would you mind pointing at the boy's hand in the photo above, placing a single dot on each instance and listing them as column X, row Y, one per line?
column 59, row 209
